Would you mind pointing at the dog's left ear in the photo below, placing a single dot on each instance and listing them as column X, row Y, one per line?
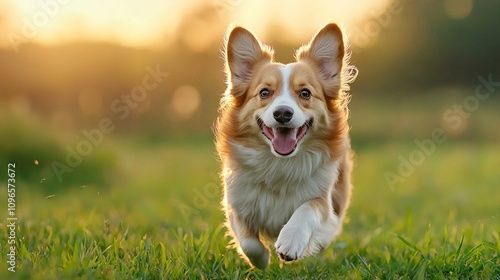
column 243, row 51
column 326, row 51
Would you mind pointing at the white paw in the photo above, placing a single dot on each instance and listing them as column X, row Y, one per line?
column 291, row 243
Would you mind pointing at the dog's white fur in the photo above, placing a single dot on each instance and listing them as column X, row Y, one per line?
column 298, row 199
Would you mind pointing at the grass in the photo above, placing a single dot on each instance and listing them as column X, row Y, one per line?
column 159, row 217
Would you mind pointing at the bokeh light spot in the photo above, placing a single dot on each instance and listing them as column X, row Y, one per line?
column 458, row 9
column 185, row 101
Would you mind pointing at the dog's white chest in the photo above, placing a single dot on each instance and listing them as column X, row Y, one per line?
column 265, row 190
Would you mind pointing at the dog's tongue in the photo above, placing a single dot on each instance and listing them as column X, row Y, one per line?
column 284, row 140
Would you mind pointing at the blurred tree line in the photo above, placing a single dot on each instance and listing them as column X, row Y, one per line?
column 74, row 85
column 423, row 47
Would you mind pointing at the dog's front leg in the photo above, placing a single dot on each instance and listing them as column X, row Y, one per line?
column 312, row 227
column 249, row 243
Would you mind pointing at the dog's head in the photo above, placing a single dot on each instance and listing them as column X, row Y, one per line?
column 280, row 105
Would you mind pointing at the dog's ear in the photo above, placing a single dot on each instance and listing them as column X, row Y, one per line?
column 243, row 52
column 326, row 52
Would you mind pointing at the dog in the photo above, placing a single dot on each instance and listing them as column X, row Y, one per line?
column 283, row 140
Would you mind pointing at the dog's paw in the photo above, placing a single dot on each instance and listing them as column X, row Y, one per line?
column 291, row 243
column 255, row 251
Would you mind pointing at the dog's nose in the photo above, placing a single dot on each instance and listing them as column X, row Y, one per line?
column 283, row 114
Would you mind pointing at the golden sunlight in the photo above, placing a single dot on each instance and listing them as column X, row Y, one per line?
column 150, row 23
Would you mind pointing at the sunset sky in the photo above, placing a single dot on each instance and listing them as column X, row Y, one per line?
column 150, row 23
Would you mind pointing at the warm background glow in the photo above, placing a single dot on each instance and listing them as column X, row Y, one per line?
column 136, row 85
column 86, row 54
column 154, row 23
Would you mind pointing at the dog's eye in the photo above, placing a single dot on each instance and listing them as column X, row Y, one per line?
column 305, row 93
column 264, row 93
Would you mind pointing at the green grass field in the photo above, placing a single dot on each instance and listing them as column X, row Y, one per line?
column 155, row 214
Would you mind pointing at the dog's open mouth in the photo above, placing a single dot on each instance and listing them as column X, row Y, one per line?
column 284, row 139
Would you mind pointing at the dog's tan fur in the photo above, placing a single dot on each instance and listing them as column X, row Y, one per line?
column 299, row 198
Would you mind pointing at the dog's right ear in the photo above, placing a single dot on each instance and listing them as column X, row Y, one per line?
column 243, row 52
